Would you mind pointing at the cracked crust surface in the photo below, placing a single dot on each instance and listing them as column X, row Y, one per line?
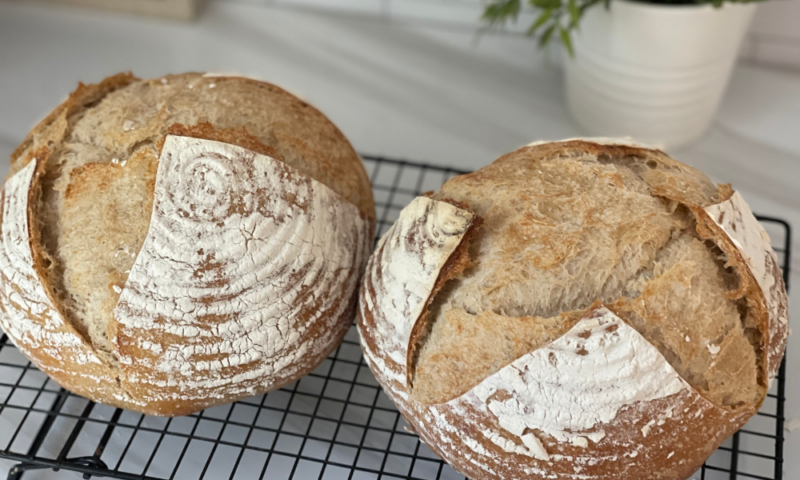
column 30, row 314
column 617, row 317
column 98, row 156
column 579, row 227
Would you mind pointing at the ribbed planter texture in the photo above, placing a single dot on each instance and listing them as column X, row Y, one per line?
column 656, row 73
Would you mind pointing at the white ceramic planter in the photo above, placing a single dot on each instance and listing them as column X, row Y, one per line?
column 653, row 72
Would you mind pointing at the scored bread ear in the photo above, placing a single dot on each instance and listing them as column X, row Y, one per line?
column 53, row 128
column 402, row 276
column 730, row 224
column 31, row 315
column 246, row 281
column 600, row 383
column 735, row 229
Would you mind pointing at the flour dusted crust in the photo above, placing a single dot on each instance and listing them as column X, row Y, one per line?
column 600, row 401
column 412, row 254
column 734, row 218
column 245, row 282
column 627, row 142
column 29, row 315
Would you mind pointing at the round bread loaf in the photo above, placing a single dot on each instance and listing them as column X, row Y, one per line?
column 178, row 243
column 585, row 309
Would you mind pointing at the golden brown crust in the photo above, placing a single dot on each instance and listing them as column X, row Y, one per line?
column 686, row 437
column 458, row 261
column 94, row 191
column 34, row 322
column 552, row 207
column 662, row 439
column 50, row 132
column 527, row 418
column 672, row 180
column 235, row 136
column 305, row 139
column 769, row 317
column 443, row 227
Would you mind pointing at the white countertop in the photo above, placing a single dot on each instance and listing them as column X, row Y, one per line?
column 407, row 90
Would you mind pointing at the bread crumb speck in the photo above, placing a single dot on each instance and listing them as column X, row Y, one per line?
column 127, row 125
column 580, row 442
column 792, row 425
column 212, row 85
column 688, row 339
column 670, row 454
column 647, row 427
column 713, row 349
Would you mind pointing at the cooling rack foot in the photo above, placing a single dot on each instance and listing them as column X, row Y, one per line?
column 15, row 472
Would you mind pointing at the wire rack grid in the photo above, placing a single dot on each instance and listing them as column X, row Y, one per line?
column 334, row 424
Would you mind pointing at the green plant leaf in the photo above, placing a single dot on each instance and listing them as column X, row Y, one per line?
column 541, row 20
column 567, row 41
column 546, row 4
column 500, row 11
column 545, row 38
column 490, row 13
column 574, row 13
column 563, row 16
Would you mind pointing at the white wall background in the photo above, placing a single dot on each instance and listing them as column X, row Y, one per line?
column 774, row 37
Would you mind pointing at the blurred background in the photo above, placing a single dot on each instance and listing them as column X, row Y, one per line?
column 454, row 83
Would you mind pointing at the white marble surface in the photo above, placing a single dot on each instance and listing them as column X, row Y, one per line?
column 405, row 90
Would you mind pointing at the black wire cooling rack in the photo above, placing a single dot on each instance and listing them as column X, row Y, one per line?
column 334, row 424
